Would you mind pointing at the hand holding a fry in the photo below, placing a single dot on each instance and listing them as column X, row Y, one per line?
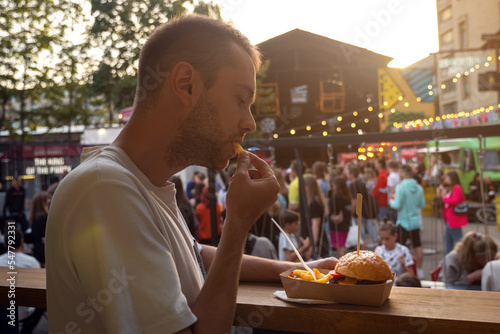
column 252, row 191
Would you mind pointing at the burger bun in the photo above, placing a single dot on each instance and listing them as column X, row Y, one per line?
column 365, row 266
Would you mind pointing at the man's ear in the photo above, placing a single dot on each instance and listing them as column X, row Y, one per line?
column 183, row 78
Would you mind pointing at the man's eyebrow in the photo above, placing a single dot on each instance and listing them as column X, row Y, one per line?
column 250, row 91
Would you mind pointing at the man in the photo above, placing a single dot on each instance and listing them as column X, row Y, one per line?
column 392, row 182
column 369, row 225
column 408, row 201
column 119, row 255
column 14, row 204
column 380, row 189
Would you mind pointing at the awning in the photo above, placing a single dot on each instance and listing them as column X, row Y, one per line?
column 440, row 149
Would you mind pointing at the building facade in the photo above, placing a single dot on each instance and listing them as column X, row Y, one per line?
column 461, row 58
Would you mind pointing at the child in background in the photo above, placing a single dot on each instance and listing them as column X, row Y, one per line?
column 397, row 256
column 290, row 223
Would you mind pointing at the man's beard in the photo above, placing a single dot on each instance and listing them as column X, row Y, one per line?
column 199, row 141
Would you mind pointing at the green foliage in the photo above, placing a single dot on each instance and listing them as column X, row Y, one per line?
column 401, row 116
column 28, row 28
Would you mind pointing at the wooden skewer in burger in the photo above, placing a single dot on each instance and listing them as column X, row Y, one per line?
column 361, row 267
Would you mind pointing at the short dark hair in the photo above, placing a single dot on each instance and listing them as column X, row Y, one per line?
column 381, row 162
column 198, row 40
column 18, row 237
column 295, row 166
column 288, row 217
column 353, row 170
column 406, row 170
column 393, row 164
column 408, row 280
column 388, row 227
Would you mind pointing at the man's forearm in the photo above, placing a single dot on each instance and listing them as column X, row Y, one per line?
column 216, row 302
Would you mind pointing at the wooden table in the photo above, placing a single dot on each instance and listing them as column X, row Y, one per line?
column 411, row 310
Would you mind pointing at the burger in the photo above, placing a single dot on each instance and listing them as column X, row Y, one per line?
column 366, row 268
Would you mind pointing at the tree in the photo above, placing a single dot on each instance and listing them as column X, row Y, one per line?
column 27, row 30
column 120, row 28
column 66, row 83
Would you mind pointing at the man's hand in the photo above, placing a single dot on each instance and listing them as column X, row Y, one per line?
column 326, row 263
column 252, row 191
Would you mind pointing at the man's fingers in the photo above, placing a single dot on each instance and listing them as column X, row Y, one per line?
column 259, row 164
column 254, row 174
column 243, row 164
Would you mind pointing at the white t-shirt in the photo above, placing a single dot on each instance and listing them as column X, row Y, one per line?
column 120, row 258
column 392, row 181
column 391, row 257
column 21, row 260
column 284, row 244
column 490, row 278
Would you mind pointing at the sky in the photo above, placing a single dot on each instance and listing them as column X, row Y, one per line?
column 403, row 29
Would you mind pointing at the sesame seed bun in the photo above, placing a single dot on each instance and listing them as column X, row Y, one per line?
column 367, row 266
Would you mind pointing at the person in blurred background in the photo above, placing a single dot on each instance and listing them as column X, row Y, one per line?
column 28, row 316
column 204, row 220
column 339, row 207
column 451, row 198
column 321, row 174
column 316, row 204
column 38, row 219
column 475, row 188
column 490, row 278
column 464, row 265
column 409, row 200
column 14, row 204
column 184, row 206
column 380, row 189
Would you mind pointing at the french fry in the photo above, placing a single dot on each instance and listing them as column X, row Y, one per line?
column 238, row 147
column 325, row 279
column 306, row 276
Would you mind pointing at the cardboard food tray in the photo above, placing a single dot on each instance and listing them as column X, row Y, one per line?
column 369, row 295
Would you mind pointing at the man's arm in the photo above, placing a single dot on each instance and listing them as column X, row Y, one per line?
column 251, row 192
column 258, row 269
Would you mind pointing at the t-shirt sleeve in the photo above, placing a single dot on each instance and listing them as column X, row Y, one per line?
column 125, row 264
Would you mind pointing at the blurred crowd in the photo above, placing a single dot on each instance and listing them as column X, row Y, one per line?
column 390, row 222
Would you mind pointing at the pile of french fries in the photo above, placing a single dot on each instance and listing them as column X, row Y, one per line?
column 306, row 276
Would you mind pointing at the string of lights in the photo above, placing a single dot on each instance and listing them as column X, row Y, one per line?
column 338, row 119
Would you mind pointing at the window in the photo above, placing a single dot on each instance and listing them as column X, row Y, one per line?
column 465, row 86
column 468, row 163
column 446, row 37
column 450, row 108
column 450, row 85
column 299, row 94
column 332, row 94
column 445, row 14
column 492, row 160
column 267, row 99
column 462, row 33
